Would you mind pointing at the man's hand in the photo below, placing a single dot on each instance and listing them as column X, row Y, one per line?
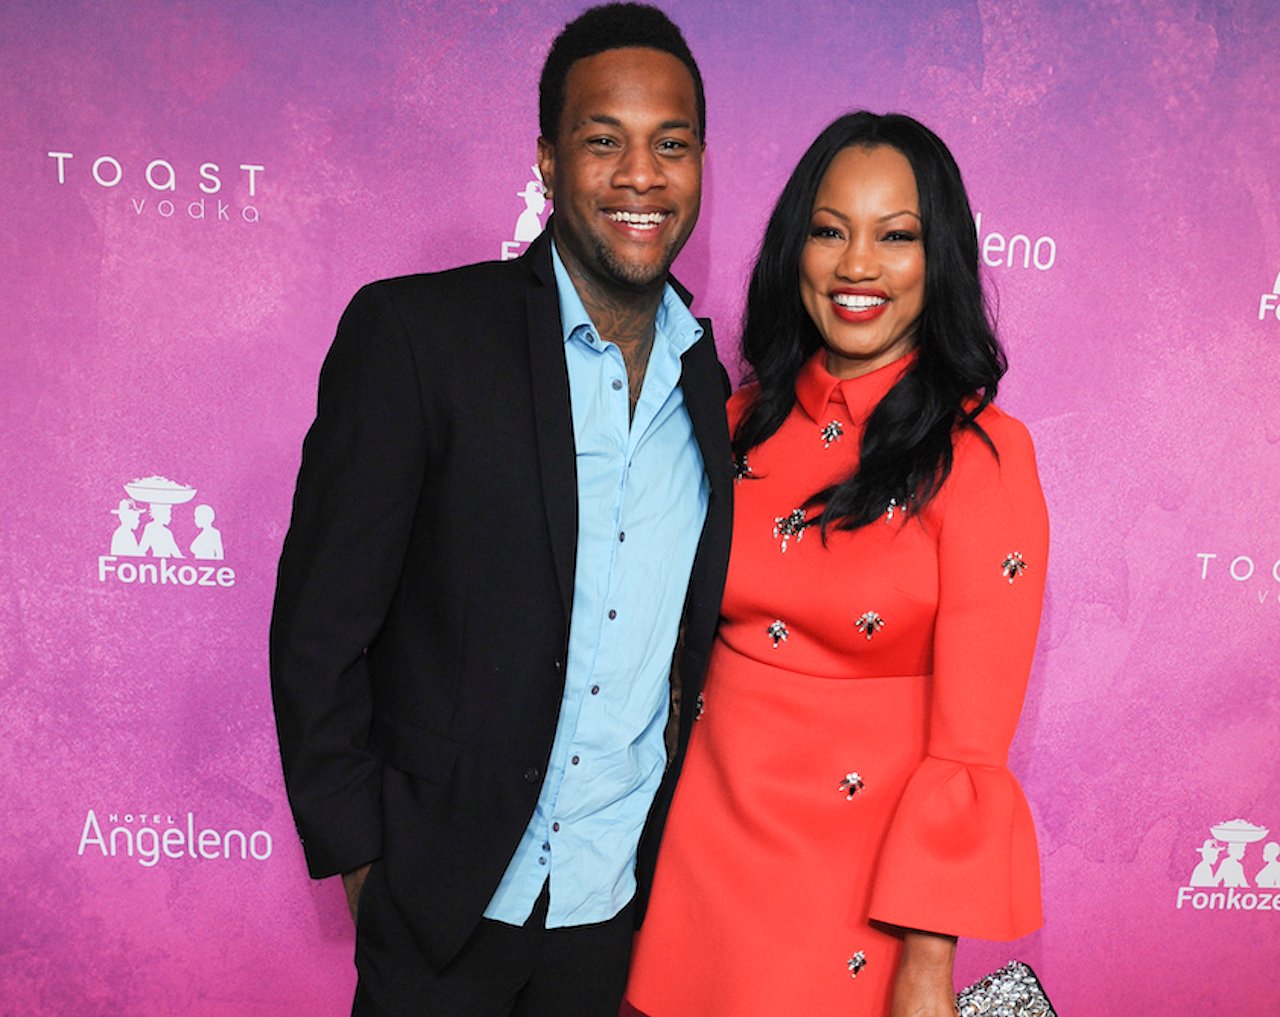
column 353, row 883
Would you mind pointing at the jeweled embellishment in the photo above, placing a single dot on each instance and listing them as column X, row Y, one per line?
column 1014, row 990
column 893, row 507
column 832, row 432
column 778, row 632
column 851, row 785
column 1013, row 566
column 869, row 624
column 856, row 963
column 699, row 705
column 741, row 468
column 788, row 526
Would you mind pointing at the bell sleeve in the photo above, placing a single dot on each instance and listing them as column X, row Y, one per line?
column 960, row 854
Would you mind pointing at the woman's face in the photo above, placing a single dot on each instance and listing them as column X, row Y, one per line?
column 862, row 268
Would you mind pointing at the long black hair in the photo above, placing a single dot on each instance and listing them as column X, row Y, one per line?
column 906, row 450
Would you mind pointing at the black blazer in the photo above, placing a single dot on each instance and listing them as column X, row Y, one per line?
column 420, row 629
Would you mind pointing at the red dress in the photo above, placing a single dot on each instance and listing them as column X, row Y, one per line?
column 849, row 761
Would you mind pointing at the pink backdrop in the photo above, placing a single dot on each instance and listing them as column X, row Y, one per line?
column 192, row 192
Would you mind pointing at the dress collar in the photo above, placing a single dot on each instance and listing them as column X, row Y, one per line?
column 816, row 388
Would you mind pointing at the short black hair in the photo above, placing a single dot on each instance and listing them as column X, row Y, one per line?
column 599, row 29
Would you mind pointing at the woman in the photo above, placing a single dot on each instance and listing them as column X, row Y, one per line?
column 844, row 811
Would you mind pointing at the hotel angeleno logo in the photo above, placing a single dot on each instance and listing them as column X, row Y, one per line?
column 158, row 188
column 150, row 553
column 1015, row 250
column 149, row 837
column 1229, row 875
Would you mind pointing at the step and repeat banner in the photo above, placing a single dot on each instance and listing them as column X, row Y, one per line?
column 192, row 192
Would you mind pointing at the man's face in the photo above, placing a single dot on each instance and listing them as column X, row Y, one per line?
column 625, row 170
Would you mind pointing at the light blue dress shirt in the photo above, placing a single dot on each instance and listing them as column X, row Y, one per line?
column 642, row 500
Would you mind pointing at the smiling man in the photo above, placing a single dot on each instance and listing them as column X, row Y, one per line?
column 515, row 496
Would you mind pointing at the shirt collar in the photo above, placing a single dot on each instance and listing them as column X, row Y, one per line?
column 816, row 388
column 676, row 325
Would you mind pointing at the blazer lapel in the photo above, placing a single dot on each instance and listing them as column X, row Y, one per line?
column 705, row 391
column 553, row 419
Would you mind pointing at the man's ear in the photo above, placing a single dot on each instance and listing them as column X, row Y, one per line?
column 547, row 165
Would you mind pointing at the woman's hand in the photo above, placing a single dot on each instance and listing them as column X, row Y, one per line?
column 923, row 986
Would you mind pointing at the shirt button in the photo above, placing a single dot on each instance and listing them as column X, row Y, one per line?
column 531, row 774
column 617, row 385
column 612, row 614
column 555, row 827
column 542, row 861
column 595, row 690
column 621, row 537
column 575, row 760
column 546, row 846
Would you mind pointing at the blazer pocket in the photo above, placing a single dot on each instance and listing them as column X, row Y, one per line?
column 414, row 750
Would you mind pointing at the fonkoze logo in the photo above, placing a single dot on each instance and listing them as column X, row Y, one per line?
column 1269, row 303
column 1229, row 877
column 157, row 498
column 529, row 222
column 159, row 188
column 150, row 838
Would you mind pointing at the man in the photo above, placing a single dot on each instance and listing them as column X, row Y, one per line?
column 515, row 495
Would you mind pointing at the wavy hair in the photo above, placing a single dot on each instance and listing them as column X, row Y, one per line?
column 906, row 447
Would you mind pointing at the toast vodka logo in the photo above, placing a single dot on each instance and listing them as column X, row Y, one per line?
column 150, row 838
column 159, row 188
column 1231, row 877
column 528, row 225
column 1256, row 575
column 1269, row 303
column 133, row 543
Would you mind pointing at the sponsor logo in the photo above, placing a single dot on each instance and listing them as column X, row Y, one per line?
column 1016, row 251
column 1269, row 303
column 529, row 222
column 159, row 188
column 1258, row 573
column 1228, row 876
column 150, row 838
column 156, row 498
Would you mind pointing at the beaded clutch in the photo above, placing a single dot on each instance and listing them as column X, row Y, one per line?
column 1012, row 991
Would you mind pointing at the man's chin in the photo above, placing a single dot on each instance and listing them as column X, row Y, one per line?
column 637, row 275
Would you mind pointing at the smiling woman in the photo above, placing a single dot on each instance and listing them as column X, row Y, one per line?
column 844, row 811
column 862, row 270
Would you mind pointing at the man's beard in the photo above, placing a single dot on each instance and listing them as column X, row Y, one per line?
column 628, row 274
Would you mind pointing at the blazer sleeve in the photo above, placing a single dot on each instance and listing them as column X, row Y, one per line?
column 960, row 856
column 362, row 470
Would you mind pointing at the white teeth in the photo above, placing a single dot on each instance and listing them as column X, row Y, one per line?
column 644, row 220
column 857, row 301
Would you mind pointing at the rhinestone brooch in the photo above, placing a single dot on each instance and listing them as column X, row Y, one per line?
column 869, row 624
column 856, row 963
column 851, row 785
column 741, row 468
column 778, row 632
column 832, row 433
column 1013, row 566
column 699, row 705
column 788, row 526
